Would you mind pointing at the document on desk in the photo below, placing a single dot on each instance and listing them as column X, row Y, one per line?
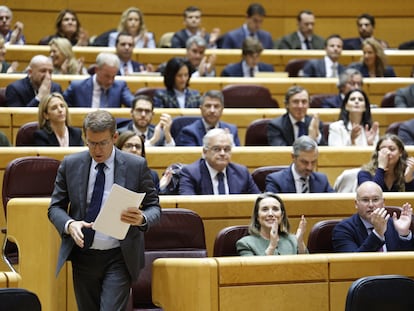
column 108, row 220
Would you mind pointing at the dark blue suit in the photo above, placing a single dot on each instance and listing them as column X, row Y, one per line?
column 150, row 132
column 234, row 39
column 283, row 182
column 195, row 179
column 332, row 102
column 179, row 39
column 46, row 138
column 192, row 134
column 316, row 68
column 136, row 67
column 389, row 71
column 79, row 94
column 350, row 235
column 20, row 93
column 280, row 131
column 406, row 132
column 352, row 44
column 236, row 70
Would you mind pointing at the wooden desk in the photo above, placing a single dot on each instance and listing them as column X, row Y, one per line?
column 294, row 282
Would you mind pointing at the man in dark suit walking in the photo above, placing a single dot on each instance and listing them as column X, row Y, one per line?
column 300, row 177
column 214, row 173
column 371, row 229
column 104, row 268
column 29, row 91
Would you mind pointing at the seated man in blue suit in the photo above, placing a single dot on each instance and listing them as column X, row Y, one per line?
column 250, row 64
column 283, row 130
column 251, row 28
column 124, row 45
column 371, row 229
column 214, row 173
column 29, row 91
column 349, row 80
column 300, row 177
column 328, row 67
column 100, row 90
column 366, row 26
column 212, row 105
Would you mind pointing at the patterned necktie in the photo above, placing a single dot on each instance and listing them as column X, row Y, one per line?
column 220, row 178
column 126, row 71
column 305, row 188
column 302, row 129
column 334, row 73
column 95, row 204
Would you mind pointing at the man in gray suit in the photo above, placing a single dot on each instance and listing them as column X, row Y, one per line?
column 303, row 38
column 102, row 272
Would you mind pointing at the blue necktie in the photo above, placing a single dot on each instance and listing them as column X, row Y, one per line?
column 95, row 204
column 302, row 129
column 221, row 188
column 308, row 44
column 103, row 100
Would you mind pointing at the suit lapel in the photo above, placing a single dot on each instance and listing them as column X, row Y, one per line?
column 120, row 169
column 206, row 185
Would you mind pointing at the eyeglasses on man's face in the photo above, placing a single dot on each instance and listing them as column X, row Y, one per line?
column 217, row 149
column 100, row 144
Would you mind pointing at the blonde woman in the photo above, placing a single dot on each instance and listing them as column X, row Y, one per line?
column 373, row 62
column 54, row 129
column 132, row 22
column 63, row 59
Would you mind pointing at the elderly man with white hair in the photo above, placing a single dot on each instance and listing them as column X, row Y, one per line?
column 12, row 35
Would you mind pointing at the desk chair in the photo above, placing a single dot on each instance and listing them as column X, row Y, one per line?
column 26, row 177
column 388, row 100
column 25, row 133
column 18, row 299
column 248, row 96
column 256, row 133
column 225, row 242
column 295, row 66
column 320, row 237
column 179, row 122
column 259, row 174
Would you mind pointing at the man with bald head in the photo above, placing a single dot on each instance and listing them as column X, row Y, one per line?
column 29, row 91
column 372, row 229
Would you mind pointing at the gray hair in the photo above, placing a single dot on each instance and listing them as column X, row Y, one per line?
column 198, row 40
column 213, row 94
column 303, row 143
column 346, row 75
column 108, row 59
column 99, row 121
column 4, row 8
column 293, row 90
column 216, row 132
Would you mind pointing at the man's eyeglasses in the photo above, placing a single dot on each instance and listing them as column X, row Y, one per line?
column 130, row 146
column 100, row 144
column 217, row 149
column 367, row 201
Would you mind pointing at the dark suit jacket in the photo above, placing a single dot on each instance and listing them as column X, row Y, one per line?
column 150, row 132
column 42, row 137
column 356, row 43
column 316, row 68
column 283, row 182
column 79, row 94
column 179, row 39
column 332, row 102
column 234, row 39
column 71, row 187
column 404, row 97
column 167, row 99
column 406, row 132
column 192, row 134
column 350, row 235
column 195, row 179
column 292, row 42
column 280, row 131
column 389, row 71
column 20, row 93
column 136, row 67
column 236, row 70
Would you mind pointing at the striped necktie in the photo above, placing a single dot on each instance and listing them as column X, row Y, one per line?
column 305, row 187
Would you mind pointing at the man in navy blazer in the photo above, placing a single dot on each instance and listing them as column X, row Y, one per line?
column 100, row 90
column 371, row 229
column 328, row 66
column 254, row 19
column 349, row 80
column 124, row 45
column 28, row 91
column 212, row 105
column 300, row 177
column 283, row 130
column 250, row 64
column 214, row 174
column 104, row 271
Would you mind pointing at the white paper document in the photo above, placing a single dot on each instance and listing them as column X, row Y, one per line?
column 108, row 220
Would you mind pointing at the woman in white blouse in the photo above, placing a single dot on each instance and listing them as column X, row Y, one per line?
column 355, row 126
